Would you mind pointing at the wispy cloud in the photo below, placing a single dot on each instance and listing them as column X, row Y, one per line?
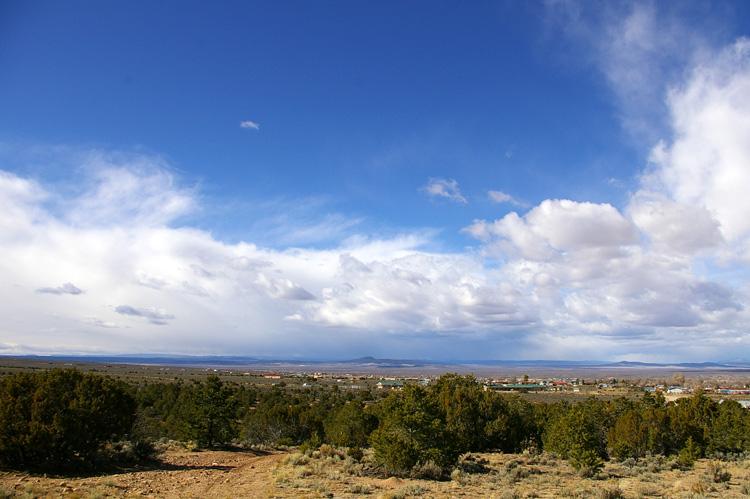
column 158, row 317
column 502, row 197
column 441, row 187
column 95, row 321
column 641, row 48
column 249, row 124
column 66, row 289
column 127, row 190
column 301, row 222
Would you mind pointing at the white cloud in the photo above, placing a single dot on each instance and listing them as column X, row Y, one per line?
column 128, row 190
column 681, row 228
column 249, row 124
column 417, row 293
column 565, row 271
column 444, row 188
column 20, row 204
column 161, row 287
column 706, row 165
column 589, row 271
column 502, row 197
column 557, row 226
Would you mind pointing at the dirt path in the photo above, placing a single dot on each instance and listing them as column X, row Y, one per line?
column 210, row 474
column 249, row 479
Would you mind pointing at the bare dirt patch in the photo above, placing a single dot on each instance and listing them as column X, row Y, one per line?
column 177, row 474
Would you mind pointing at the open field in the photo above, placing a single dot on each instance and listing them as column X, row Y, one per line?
column 181, row 473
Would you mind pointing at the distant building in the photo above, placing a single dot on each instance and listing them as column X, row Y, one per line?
column 657, row 388
column 679, row 390
column 734, row 391
column 390, row 385
column 273, row 376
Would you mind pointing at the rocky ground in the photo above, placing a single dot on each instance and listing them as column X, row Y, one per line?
column 181, row 473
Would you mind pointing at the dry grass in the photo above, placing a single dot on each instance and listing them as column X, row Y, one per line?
column 545, row 476
column 330, row 472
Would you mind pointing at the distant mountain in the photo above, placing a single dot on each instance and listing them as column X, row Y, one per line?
column 536, row 363
column 690, row 365
column 158, row 359
column 372, row 363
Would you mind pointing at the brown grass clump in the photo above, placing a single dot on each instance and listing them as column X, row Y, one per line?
column 716, row 472
column 472, row 464
column 698, row 488
column 647, row 490
column 609, row 491
column 427, row 471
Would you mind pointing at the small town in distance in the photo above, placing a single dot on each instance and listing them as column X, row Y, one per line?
column 537, row 383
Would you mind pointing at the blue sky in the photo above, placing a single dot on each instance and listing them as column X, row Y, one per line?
column 438, row 180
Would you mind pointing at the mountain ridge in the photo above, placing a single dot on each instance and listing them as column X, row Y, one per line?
column 373, row 362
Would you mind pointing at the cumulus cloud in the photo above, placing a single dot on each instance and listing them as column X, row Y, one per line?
column 557, row 226
column 66, row 289
column 565, row 269
column 249, row 124
column 429, row 293
column 281, row 288
column 441, row 187
column 705, row 165
column 675, row 227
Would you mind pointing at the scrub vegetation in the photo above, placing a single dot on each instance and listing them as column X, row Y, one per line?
column 451, row 431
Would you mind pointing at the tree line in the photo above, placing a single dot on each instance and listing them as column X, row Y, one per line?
column 59, row 417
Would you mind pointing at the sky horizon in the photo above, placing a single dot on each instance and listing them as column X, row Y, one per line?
column 496, row 180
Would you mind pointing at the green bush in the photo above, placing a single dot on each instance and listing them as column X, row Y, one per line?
column 59, row 416
column 412, row 430
column 349, row 425
column 578, row 436
column 210, row 413
column 687, row 456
